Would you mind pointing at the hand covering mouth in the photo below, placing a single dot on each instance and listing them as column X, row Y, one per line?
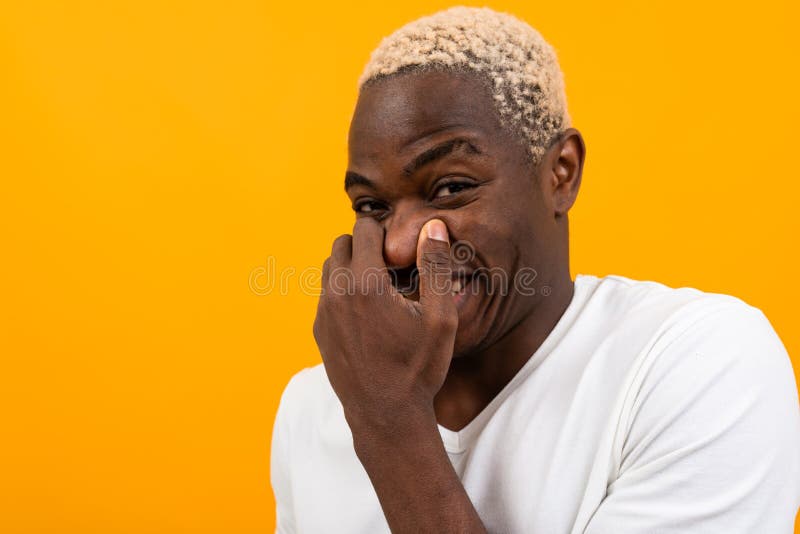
column 406, row 281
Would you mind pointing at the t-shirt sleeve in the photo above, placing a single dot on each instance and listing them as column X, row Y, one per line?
column 279, row 466
column 713, row 440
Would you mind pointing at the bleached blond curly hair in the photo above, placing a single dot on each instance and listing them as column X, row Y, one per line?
column 513, row 58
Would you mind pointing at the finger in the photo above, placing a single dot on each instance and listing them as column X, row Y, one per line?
column 435, row 269
column 368, row 265
column 342, row 250
column 337, row 276
column 326, row 274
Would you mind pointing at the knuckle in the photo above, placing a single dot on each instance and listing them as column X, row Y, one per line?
column 326, row 275
column 362, row 288
column 341, row 242
column 341, row 281
column 316, row 330
column 450, row 322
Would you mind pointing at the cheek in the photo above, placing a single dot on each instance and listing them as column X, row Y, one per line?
column 489, row 237
column 499, row 227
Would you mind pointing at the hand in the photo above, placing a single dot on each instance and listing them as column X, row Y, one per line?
column 386, row 356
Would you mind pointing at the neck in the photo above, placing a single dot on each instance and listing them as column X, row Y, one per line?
column 473, row 381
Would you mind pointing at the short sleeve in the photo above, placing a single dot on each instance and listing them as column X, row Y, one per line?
column 279, row 467
column 713, row 442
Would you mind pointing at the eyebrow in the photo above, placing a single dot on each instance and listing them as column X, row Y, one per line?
column 439, row 151
column 434, row 153
column 352, row 179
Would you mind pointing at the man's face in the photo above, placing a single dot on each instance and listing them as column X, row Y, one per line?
column 429, row 145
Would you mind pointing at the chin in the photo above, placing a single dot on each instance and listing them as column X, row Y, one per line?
column 466, row 343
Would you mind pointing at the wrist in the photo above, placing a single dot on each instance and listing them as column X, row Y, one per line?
column 397, row 432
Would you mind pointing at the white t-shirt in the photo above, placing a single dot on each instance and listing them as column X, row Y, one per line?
column 647, row 409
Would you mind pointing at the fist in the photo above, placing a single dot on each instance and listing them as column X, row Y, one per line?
column 386, row 356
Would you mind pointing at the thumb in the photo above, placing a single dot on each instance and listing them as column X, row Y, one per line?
column 435, row 268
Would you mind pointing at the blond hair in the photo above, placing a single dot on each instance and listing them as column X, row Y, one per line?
column 521, row 67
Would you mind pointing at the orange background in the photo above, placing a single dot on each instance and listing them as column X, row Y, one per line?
column 154, row 155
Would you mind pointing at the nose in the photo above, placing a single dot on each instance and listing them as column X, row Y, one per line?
column 400, row 241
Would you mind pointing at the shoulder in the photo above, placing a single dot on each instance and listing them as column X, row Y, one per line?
column 695, row 339
column 723, row 346
column 307, row 392
column 709, row 435
column 716, row 378
column 631, row 322
column 710, row 426
column 310, row 410
column 709, row 334
column 657, row 314
column 685, row 356
column 629, row 296
column 311, row 381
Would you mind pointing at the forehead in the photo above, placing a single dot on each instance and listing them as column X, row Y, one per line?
column 394, row 112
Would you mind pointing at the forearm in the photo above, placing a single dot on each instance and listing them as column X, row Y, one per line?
column 416, row 484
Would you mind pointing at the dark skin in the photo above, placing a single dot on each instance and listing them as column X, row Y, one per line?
column 401, row 362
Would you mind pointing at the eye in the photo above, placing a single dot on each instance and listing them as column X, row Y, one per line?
column 368, row 207
column 451, row 189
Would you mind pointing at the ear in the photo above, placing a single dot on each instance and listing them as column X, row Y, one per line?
column 562, row 170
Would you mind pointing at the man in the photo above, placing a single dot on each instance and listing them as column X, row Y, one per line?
column 468, row 383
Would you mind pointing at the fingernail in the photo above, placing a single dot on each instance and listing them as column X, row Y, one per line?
column 437, row 230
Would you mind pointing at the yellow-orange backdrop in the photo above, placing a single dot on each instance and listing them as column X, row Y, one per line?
column 155, row 155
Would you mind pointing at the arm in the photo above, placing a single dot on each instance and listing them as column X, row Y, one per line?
column 714, row 440
column 386, row 357
column 416, row 484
